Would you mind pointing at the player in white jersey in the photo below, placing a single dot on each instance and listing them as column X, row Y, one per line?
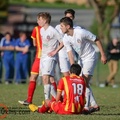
column 81, row 41
column 50, row 42
column 62, row 55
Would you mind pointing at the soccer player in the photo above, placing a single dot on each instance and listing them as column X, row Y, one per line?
column 74, row 88
column 37, row 42
column 81, row 41
column 62, row 54
column 51, row 40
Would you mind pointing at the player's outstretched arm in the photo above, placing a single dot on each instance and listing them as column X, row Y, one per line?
column 71, row 57
column 103, row 56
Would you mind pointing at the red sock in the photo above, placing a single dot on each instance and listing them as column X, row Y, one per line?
column 43, row 109
column 31, row 89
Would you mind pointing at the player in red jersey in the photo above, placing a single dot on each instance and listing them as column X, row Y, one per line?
column 73, row 87
column 37, row 42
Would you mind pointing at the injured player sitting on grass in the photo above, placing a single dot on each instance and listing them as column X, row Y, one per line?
column 73, row 87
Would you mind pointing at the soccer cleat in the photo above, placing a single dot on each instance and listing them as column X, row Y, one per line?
column 33, row 107
column 24, row 102
column 43, row 102
column 85, row 111
column 94, row 109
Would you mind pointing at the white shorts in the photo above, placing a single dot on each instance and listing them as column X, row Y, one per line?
column 64, row 64
column 47, row 66
column 88, row 67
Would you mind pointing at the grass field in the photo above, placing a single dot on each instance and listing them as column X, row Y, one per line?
column 108, row 98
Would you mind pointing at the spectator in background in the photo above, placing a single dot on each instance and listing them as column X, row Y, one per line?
column 7, row 47
column 1, row 36
column 113, row 55
column 22, row 47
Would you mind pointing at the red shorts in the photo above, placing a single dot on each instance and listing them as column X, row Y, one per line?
column 35, row 66
column 58, row 107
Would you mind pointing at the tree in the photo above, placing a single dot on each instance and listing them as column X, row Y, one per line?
column 105, row 11
column 3, row 10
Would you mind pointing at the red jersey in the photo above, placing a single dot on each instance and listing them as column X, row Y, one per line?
column 74, row 93
column 37, row 37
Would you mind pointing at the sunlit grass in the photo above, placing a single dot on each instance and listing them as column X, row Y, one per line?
column 108, row 99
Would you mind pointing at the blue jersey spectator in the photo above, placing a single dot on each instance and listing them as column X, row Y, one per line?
column 7, row 45
column 22, row 47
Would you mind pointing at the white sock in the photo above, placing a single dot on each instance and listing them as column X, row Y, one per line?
column 87, row 96
column 53, row 91
column 47, row 89
column 92, row 99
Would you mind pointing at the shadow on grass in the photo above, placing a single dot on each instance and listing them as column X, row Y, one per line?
column 106, row 114
column 108, row 111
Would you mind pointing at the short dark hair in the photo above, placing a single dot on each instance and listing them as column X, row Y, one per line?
column 75, row 69
column 71, row 11
column 67, row 21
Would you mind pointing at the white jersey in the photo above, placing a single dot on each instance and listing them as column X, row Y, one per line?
column 50, row 40
column 62, row 53
column 81, row 42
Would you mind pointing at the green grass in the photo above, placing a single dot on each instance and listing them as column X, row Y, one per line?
column 108, row 98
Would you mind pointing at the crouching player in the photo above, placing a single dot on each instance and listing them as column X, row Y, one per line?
column 73, row 87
